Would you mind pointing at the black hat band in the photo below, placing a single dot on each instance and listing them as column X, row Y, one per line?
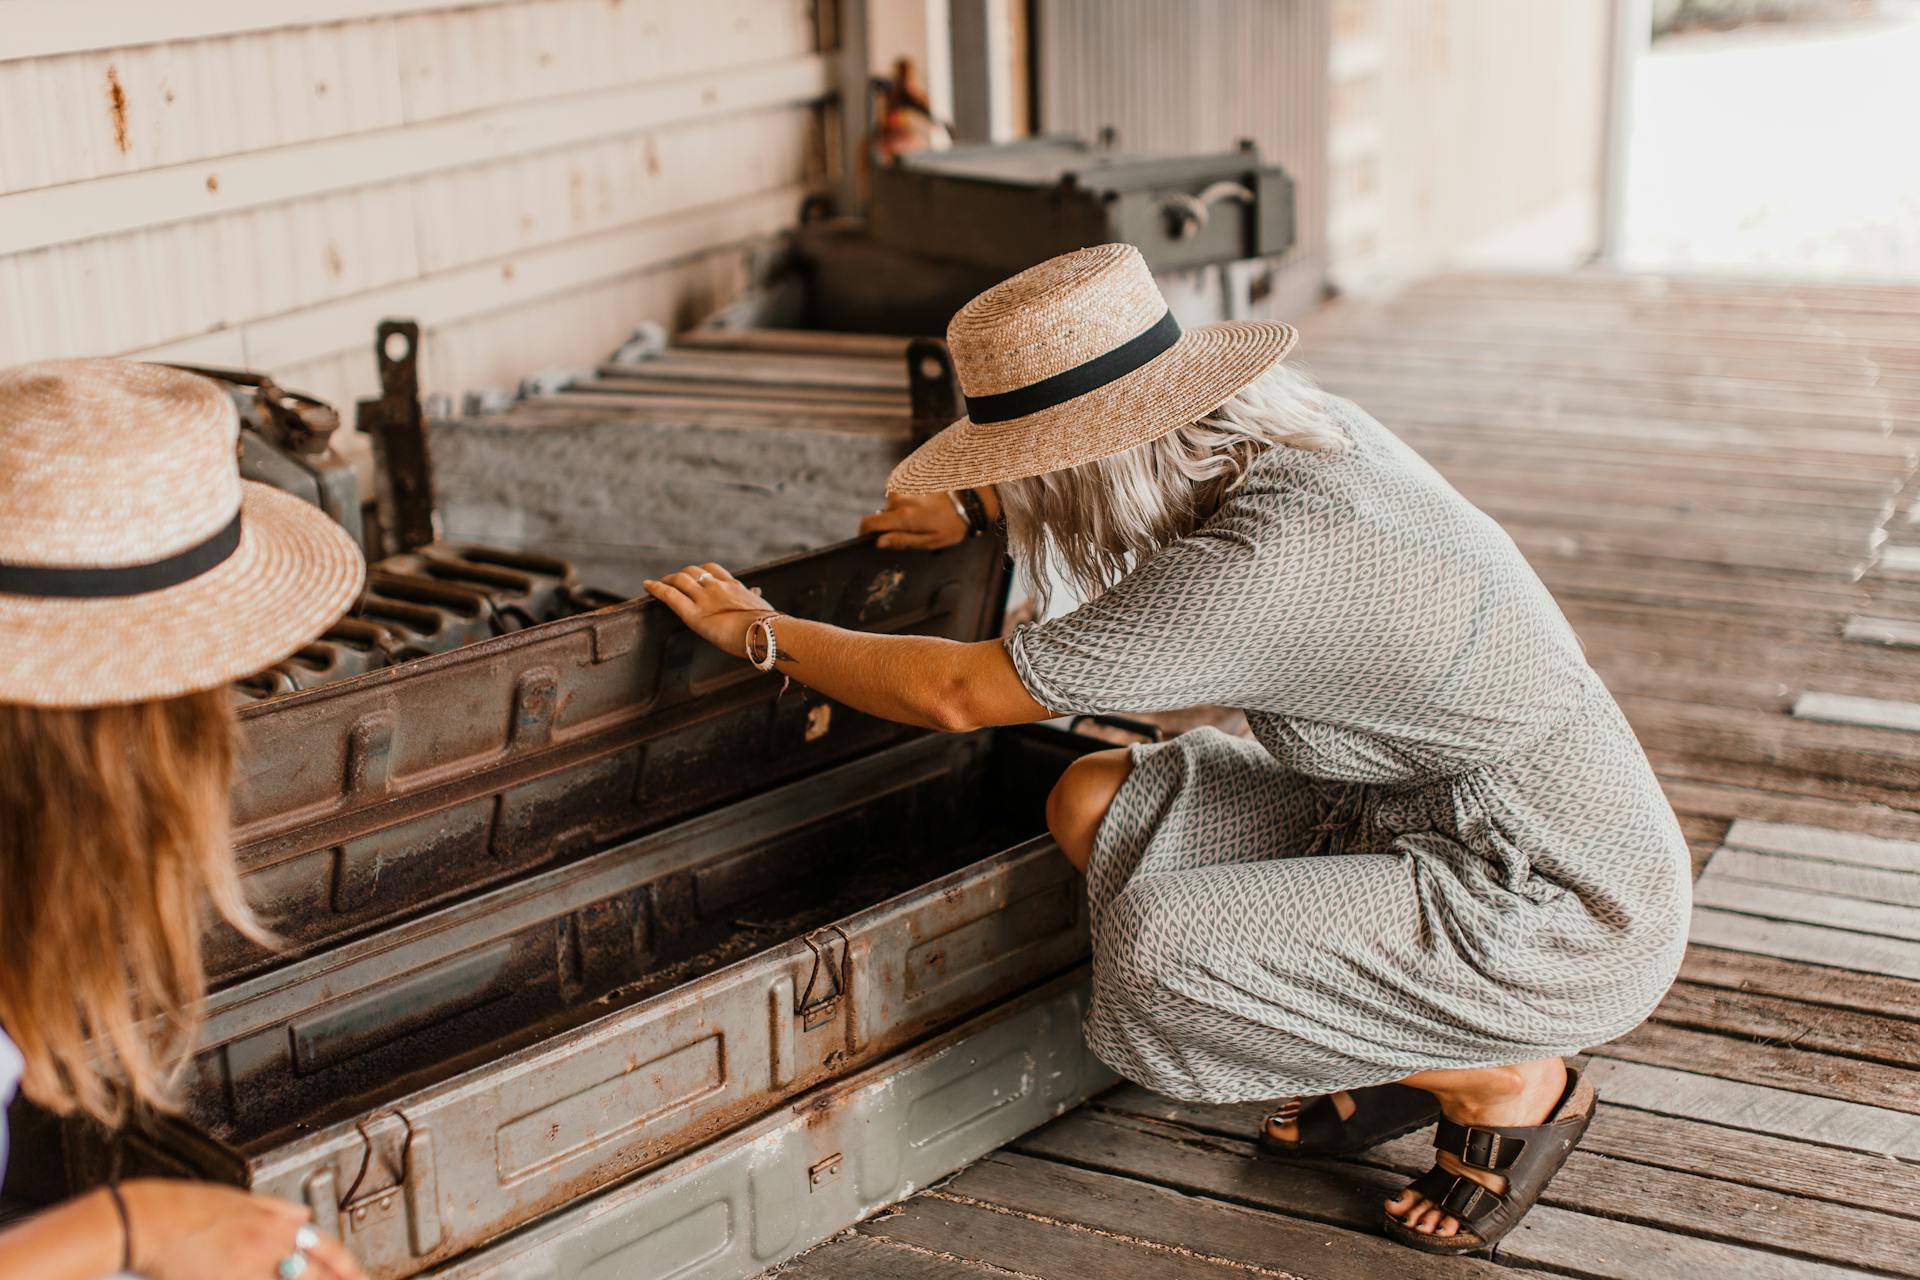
column 121, row 580
column 1079, row 380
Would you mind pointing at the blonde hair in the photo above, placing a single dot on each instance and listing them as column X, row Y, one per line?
column 113, row 839
column 1094, row 522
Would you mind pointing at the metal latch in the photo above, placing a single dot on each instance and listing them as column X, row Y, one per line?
column 396, row 1171
column 818, row 1010
column 820, row 1170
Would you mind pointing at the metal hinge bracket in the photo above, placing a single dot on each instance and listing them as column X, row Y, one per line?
column 396, row 1170
column 817, row 1010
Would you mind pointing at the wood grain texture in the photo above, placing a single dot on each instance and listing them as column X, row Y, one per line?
column 1775, row 902
column 1187, row 1225
column 1759, row 1108
column 859, row 1256
column 1893, row 1042
column 1888, row 631
column 1818, row 876
column 1625, row 1131
column 1814, row 944
column 1342, row 1193
column 1765, row 1062
column 1809, row 983
column 1825, row 842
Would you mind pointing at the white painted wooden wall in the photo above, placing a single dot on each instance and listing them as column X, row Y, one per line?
column 257, row 182
column 1465, row 132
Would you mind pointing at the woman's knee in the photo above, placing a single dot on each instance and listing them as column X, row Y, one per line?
column 1079, row 802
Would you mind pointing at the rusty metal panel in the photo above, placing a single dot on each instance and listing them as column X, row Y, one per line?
column 575, row 1028
column 824, row 1161
column 360, row 802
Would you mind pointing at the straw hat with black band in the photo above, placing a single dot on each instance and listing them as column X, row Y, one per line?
column 134, row 561
column 1076, row 359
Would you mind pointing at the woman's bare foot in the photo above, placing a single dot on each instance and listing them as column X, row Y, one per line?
column 1289, row 1131
column 1525, row 1094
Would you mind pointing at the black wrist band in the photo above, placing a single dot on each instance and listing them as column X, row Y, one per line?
column 977, row 523
column 126, row 1226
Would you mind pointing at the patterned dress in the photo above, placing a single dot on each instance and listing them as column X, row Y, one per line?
column 1444, row 846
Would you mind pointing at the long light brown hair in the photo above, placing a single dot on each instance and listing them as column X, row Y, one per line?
column 113, row 842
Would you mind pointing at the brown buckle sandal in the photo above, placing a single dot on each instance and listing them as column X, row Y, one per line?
column 1526, row 1156
column 1381, row 1113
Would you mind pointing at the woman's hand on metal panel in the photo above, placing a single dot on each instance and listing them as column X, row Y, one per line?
column 200, row 1231
column 921, row 680
column 175, row 1230
column 916, row 522
column 713, row 603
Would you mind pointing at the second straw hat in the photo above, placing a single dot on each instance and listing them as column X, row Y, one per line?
column 134, row 561
column 1075, row 359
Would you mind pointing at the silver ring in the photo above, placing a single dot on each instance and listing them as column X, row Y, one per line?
column 704, row 577
column 305, row 1239
column 292, row 1267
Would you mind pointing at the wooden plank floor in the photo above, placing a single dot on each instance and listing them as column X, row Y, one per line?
column 1718, row 482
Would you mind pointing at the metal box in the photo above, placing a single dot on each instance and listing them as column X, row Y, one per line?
column 825, row 1160
column 1006, row 206
column 359, row 803
column 548, row 1008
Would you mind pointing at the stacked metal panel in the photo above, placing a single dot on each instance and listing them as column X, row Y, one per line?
column 732, row 444
column 565, row 905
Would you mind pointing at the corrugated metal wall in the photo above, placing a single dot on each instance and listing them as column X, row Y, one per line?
column 1198, row 76
column 1420, row 132
column 529, row 178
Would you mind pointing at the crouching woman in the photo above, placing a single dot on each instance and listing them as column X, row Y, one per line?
column 1440, row 865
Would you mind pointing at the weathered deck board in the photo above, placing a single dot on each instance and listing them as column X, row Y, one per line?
column 1669, row 1138
column 1840, row 1033
column 1717, row 480
column 1808, row 983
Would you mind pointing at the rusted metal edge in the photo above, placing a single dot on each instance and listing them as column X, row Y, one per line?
column 874, row 1138
column 632, row 630
column 362, row 802
column 741, row 1021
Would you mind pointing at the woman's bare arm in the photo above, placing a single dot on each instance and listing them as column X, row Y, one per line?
column 76, row 1240
column 921, row 680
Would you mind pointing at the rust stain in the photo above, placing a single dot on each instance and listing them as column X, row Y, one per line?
column 117, row 109
column 653, row 158
column 213, row 182
column 335, row 263
column 882, row 592
column 577, row 195
column 506, row 271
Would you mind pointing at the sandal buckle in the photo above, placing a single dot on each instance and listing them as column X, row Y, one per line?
column 1460, row 1205
column 1481, row 1145
column 1485, row 1148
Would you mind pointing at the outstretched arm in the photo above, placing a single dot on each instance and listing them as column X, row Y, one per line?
column 919, row 680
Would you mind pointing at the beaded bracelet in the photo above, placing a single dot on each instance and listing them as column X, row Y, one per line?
column 978, row 524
